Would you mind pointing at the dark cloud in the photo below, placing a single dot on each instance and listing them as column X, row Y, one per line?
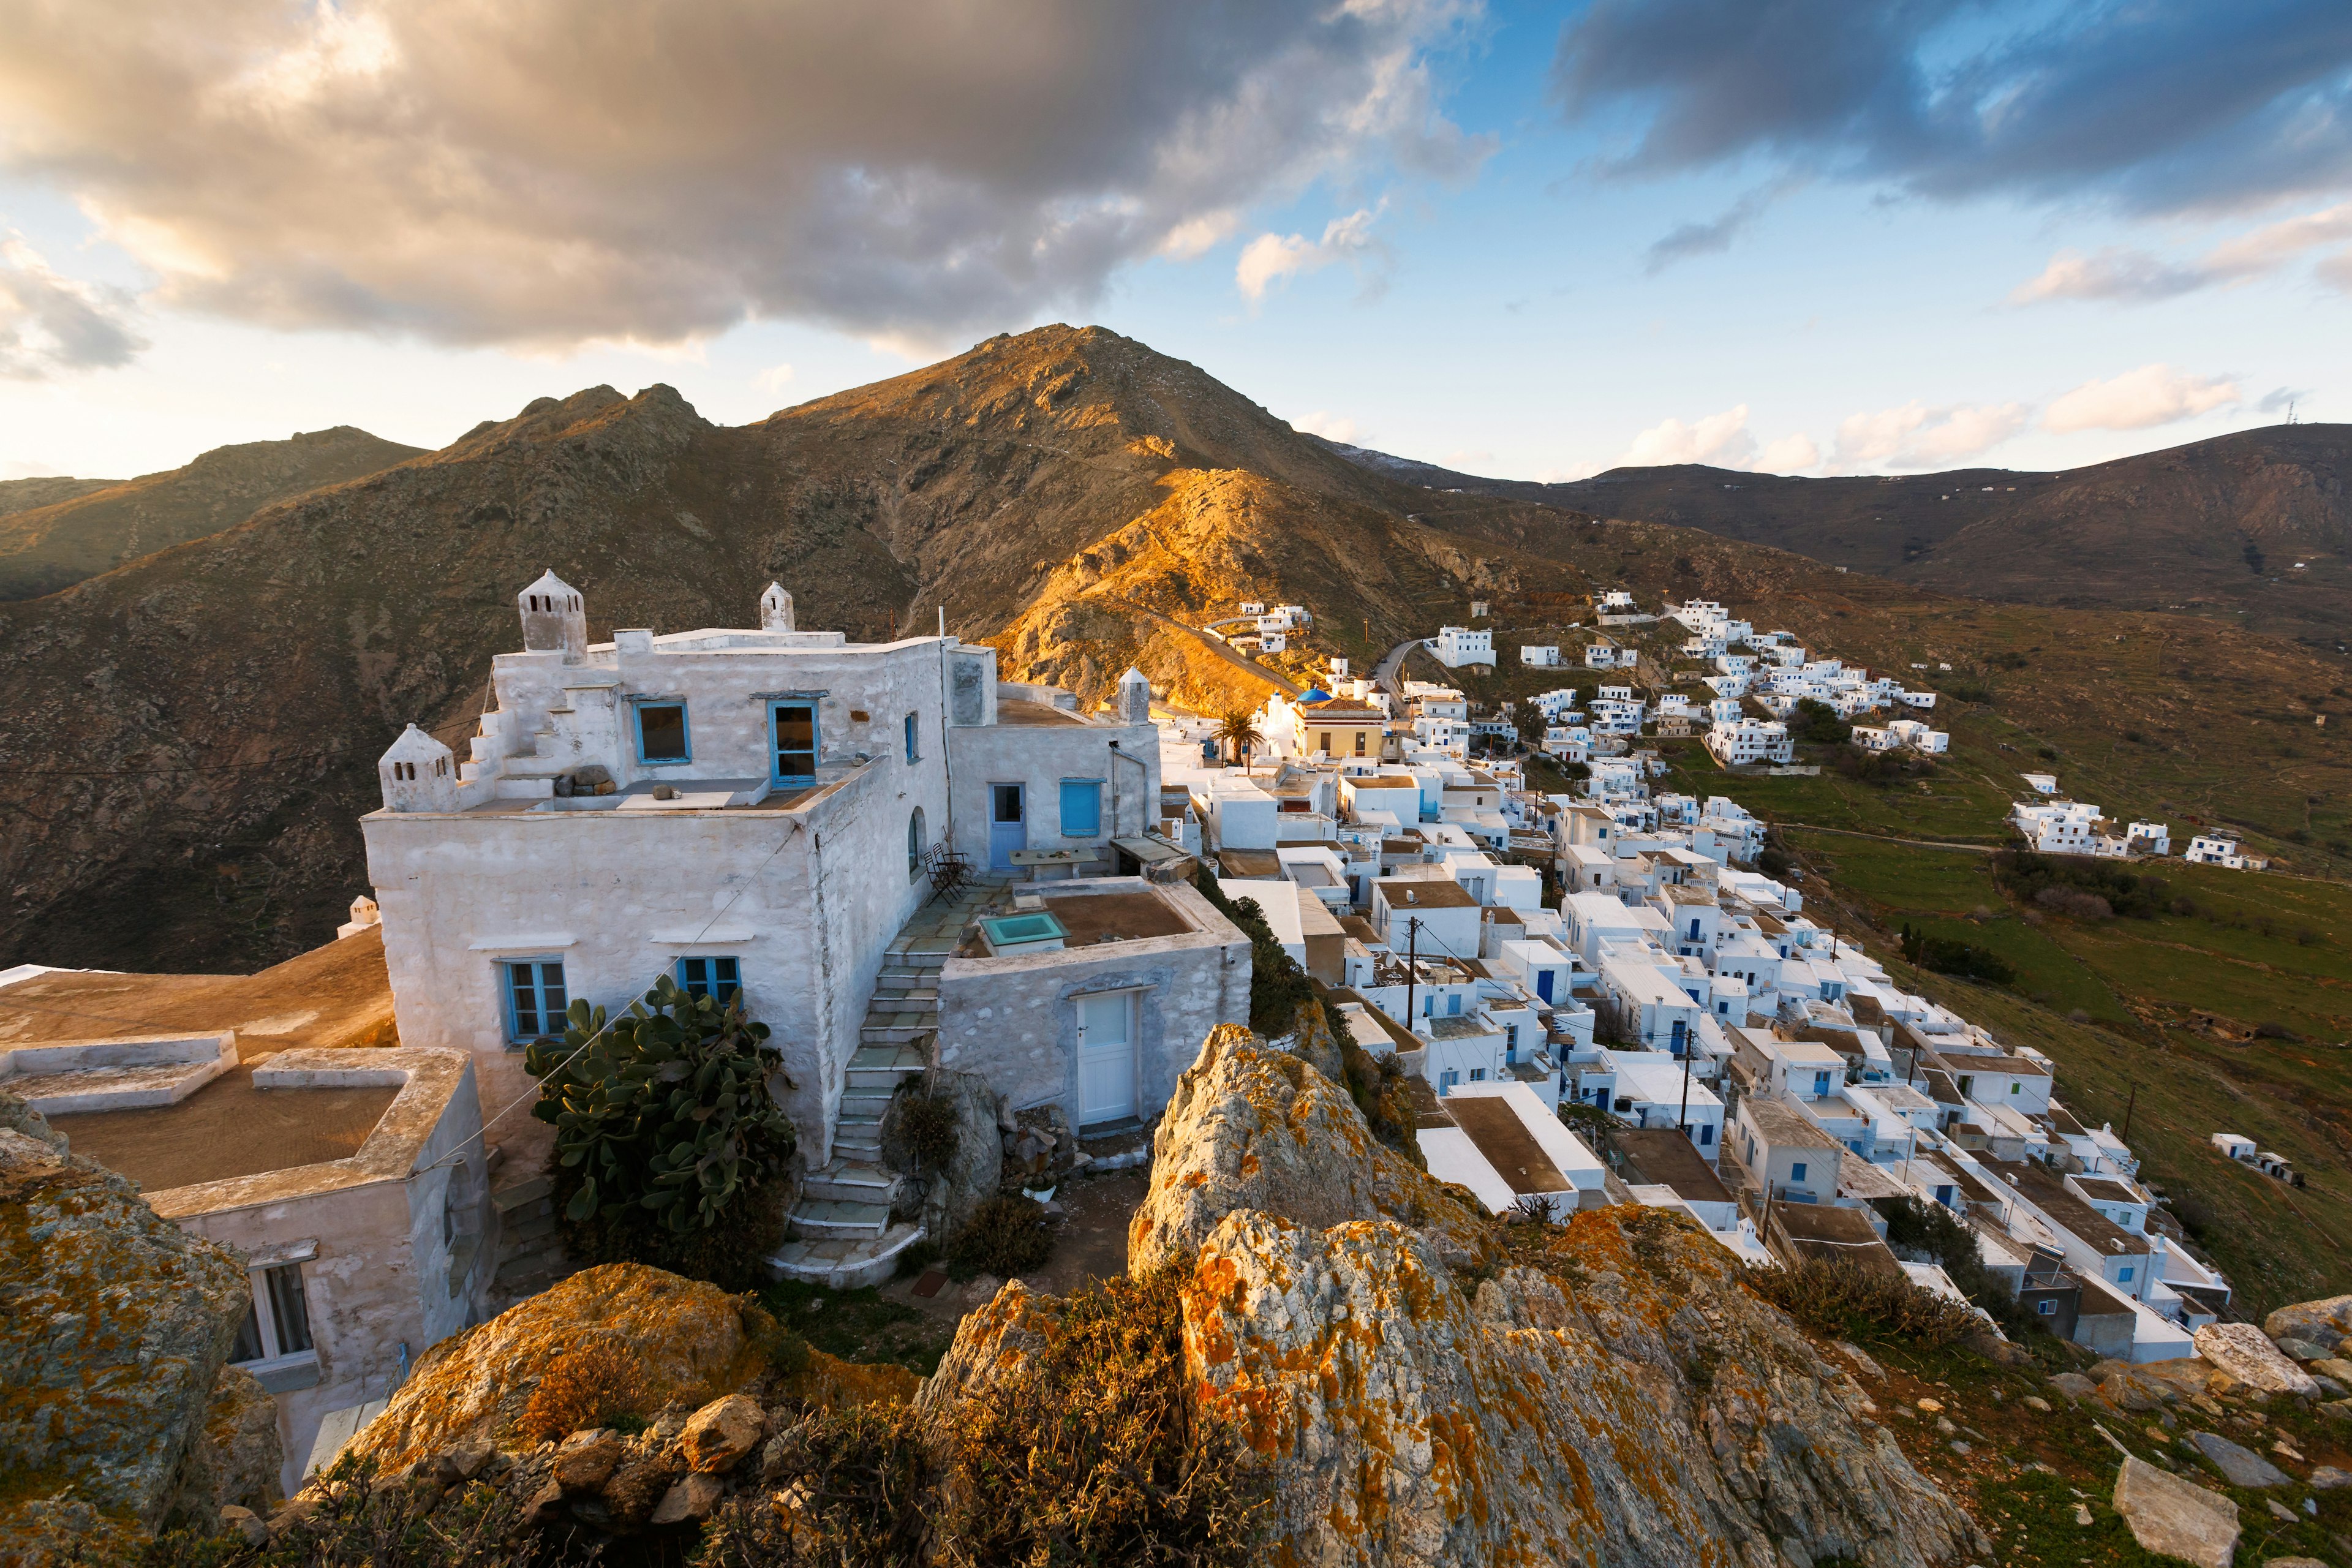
column 1714, row 235
column 543, row 171
column 2280, row 399
column 2160, row 106
column 49, row 324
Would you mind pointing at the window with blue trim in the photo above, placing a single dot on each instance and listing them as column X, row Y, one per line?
column 1081, row 808
column 714, row 977
column 661, row 733
column 535, row 998
column 1797, row 1171
column 914, row 736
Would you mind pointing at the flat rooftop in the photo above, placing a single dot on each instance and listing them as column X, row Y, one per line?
column 1250, row 865
column 1094, row 918
column 1823, row 1233
column 1019, row 710
column 334, row 995
column 228, row 1128
column 1426, row 893
column 1498, row 1134
column 1660, row 1156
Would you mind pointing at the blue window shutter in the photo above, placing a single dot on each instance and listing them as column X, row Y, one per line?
column 1081, row 808
column 1797, row 1171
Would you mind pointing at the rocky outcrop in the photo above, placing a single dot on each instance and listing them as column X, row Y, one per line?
column 237, row 1455
column 114, row 1328
column 975, row 1166
column 1424, row 1395
column 1250, row 1128
column 690, row 1341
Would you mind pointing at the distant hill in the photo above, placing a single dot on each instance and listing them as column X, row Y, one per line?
column 55, row 533
column 23, row 495
column 2214, row 528
column 190, row 738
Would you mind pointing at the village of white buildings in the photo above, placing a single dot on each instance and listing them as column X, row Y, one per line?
column 900, row 862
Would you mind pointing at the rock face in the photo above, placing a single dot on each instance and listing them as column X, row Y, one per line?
column 2246, row 1353
column 2323, row 1323
column 1250, row 1128
column 2174, row 1518
column 1423, row 1398
column 114, row 1328
column 237, row 1456
column 688, row 1338
column 976, row 1168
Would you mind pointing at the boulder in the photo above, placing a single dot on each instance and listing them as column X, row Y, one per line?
column 644, row 1477
column 722, row 1433
column 2173, row 1518
column 2323, row 1322
column 690, row 1341
column 1253, row 1128
column 1040, row 1149
column 2304, row 1350
column 2246, row 1354
column 692, row 1497
column 245, row 1523
column 2329, row 1479
column 117, row 1327
column 975, row 1170
column 2242, row 1466
column 2331, row 1367
column 586, row 1461
column 2073, row 1385
column 1630, row 1401
column 237, row 1456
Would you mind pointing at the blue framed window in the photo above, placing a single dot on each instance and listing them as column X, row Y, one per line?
column 1082, row 808
column 536, row 998
column 792, row 729
column 2122, row 1275
column 914, row 738
column 661, row 733
column 1447, row 1080
column 715, row 977
column 1797, row 1171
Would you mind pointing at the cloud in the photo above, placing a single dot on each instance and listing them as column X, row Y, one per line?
column 2159, row 106
column 2279, row 399
column 2152, row 395
column 1329, row 425
column 1714, row 235
column 1272, row 259
column 1917, row 436
column 1789, row 455
column 1720, row 439
column 531, row 174
column 2122, row 273
column 773, row 379
column 50, row 323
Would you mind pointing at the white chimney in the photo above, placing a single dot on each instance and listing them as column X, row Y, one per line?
column 554, row 618
column 1134, row 697
column 776, row 610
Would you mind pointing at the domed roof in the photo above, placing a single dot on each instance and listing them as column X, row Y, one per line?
column 1316, row 694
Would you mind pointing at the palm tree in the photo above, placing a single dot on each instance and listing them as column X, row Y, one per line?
column 1238, row 730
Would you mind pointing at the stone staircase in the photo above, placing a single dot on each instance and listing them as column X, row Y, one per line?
column 530, row 1255
column 842, row 1234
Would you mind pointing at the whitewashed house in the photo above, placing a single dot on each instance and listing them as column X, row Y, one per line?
column 1456, row 647
column 741, row 810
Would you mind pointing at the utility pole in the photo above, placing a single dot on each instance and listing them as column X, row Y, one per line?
column 1411, row 968
column 1682, row 1117
column 2129, row 1106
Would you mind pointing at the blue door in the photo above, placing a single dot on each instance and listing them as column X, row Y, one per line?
column 1543, row 984
column 1008, row 824
column 794, row 725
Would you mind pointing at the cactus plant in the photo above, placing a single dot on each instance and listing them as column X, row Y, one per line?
column 664, row 1113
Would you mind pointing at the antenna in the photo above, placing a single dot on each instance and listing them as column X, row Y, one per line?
column 2290, row 410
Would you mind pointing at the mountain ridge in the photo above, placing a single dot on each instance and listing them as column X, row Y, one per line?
column 2210, row 527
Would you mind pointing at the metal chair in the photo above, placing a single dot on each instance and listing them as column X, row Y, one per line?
column 949, row 869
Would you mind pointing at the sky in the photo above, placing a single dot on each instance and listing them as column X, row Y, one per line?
column 1806, row 236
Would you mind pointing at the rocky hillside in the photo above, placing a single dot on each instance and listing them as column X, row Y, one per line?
column 191, row 737
column 77, row 528
column 2214, row 527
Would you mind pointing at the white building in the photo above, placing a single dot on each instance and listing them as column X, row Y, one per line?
column 1543, row 658
column 1746, row 740
column 1458, row 646
column 744, row 809
column 2216, row 849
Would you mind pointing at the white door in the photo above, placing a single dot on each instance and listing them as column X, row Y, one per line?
column 1105, row 1057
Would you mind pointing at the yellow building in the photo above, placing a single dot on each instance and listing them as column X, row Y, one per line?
column 1339, row 727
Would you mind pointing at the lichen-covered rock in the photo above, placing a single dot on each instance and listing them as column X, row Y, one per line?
column 1612, row 1394
column 2323, row 1322
column 114, row 1326
column 1653, row 1414
column 1251, row 1128
column 1313, row 1043
column 721, row 1433
column 688, row 1338
column 237, row 1456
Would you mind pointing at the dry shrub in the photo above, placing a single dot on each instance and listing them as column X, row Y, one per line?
column 2075, row 903
column 593, row 1385
column 1845, row 1299
column 1005, row 1236
column 858, row 1478
column 1093, row 1450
